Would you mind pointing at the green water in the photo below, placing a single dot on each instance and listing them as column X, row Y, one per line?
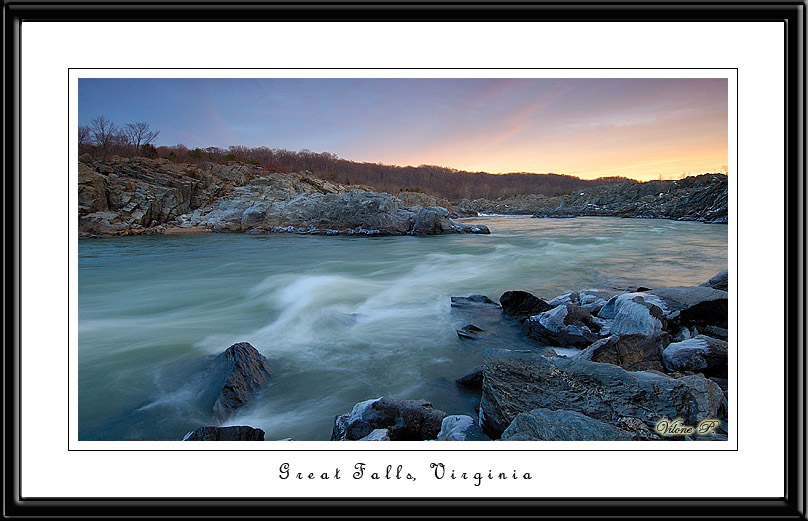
column 341, row 319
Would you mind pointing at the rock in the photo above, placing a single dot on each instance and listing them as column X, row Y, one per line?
column 471, row 301
column 520, row 381
column 560, row 425
column 563, row 326
column 241, row 371
column 687, row 306
column 566, row 298
column 408, row 420
column 719, row 281
column 694, row 198
column 637, row 316
column 593, row 300
column 473, row 380
column 714, row 331
column 521, row 304
column 377, row 435
column 631, row 352
column 460, row 428
column 469, row 332
column 701, row 354
column 235, row 433
column 637, row 428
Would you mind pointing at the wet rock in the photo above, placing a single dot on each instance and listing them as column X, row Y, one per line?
column 469, row 332
column 637, row 316
column 408, row 420
column 561, row 425
column 687, row 306
column 520, row 381
column 234, row 433
column 460, row 427
column 472, row 300
column 701, row 354
column 377, row 435
column 631, row 352
column 563, row 326
column 719, row 281
column 521, row 304
column 242, row 371
column 473, row 380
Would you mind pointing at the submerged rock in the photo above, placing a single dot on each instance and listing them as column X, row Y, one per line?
column 407, row 420
column 241, row 371
column 519, row 381
column 234, row 433
column 473, row 380
column 631, row 352
column 560, row 425
column 701, row 354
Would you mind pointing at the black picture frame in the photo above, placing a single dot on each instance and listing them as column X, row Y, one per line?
column 790, row 505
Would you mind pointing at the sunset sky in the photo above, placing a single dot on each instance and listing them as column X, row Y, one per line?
column 639, row 128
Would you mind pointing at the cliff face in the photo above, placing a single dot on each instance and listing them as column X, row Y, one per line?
column 697, row 198
column 132, row 196
column 137, row 196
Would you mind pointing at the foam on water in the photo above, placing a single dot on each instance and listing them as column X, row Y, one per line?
column 341, row 320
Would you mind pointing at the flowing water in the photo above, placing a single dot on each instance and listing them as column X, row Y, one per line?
column 340, row 319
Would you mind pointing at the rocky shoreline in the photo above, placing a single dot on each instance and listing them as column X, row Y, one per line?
column 701, row 198
column 138, row 196
column 645, row 364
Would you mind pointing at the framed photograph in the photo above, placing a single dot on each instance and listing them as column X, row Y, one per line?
column 549, row 256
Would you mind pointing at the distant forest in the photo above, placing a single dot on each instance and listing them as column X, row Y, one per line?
column 103, row 137
column 441, row 182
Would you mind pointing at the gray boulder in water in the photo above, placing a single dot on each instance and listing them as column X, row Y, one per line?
column 563, row 326
column 460, row 427
column 234, row 433
column 408, row 420
column 550, row 425
column 701, row 354
column 238, row 373
column 520, row 381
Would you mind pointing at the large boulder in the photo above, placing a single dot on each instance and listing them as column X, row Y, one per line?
column 238, row 373
column 564, row 326
column 631, row 352
column 700, row 354
column 459, row 427
column 521, row 304
column 233, row 433
column 408, row 420
column 637, row 316
column 549, row 425
column 687, row 306
column 520, row 381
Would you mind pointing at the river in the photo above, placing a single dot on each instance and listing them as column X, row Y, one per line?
column 340, row 319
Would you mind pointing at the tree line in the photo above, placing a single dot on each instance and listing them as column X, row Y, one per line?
column 102, row 138
column 439, row 181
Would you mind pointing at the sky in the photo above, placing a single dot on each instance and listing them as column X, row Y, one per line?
column 638, row 128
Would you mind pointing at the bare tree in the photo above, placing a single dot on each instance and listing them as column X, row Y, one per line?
column 85, row 135
column 140, row 134
column 104, row 133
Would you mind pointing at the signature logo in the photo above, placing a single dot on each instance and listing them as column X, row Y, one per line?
column 677, row 427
